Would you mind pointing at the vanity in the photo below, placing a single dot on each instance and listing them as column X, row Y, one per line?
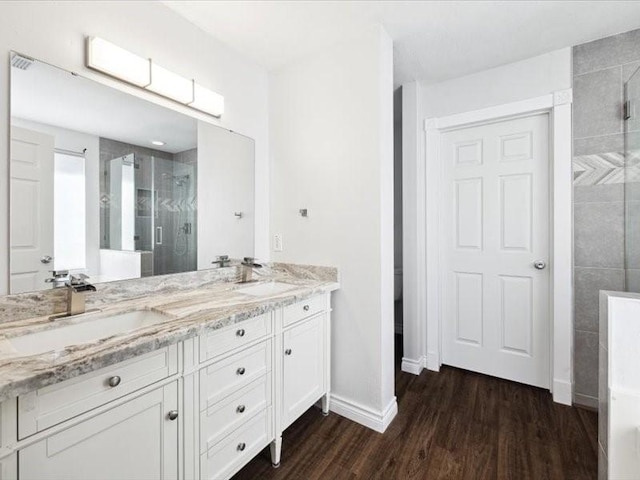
column 132, row 344
column 209, row 377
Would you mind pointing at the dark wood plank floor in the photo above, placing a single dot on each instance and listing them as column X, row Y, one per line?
column 453, row 424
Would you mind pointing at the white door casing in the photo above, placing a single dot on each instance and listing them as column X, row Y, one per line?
column 31, row 209
column 495, row 227
column 558, row 106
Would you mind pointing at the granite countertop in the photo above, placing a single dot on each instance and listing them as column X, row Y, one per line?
column 190, row 312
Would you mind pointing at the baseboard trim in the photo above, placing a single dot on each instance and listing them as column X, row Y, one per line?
column 562, row 392
column 378, row 421
column 413, row 366
column 433, row 362
column 586, row 401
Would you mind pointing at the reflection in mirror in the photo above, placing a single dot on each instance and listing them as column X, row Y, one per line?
column 107, row 184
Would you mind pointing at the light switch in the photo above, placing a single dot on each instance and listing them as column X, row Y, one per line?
column 277, row 242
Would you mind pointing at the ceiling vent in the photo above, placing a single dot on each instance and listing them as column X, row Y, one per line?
column 18, row 61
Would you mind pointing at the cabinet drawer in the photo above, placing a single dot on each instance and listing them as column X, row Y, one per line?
column 49, row 406
column 228, row 456
column 228, row 338
column 304, row 309
column 227, row 415
column 228, row 375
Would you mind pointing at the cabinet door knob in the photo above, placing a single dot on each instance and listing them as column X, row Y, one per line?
column 114, row 381
column 240, row 332
column 288, row 351
column 240, row 371
column 172, row 415
column 306, row 308
column 240, row 409
column 241, row 446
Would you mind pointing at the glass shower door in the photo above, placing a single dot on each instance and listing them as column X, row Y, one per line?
column 632, row 182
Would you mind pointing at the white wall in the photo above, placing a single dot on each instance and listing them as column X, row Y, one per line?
column 413, row 226
column 522, row 80
column 225, row 186
column 528, row 78
column 77, row 142
column 54, row 32
column 331, row 125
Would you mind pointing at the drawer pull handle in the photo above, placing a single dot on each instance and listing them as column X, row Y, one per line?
column 240, row 371
column 172, row 415
column 288, row 351
column 240, row 409
column 241, row 446
column 114, row 381
column 240, row 332
column 306, row 308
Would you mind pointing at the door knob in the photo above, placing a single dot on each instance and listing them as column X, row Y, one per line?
column 172, row 415
column 539, row 264
column 46, row 259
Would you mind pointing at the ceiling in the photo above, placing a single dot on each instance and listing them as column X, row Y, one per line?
column 53, row 96
column 433, row 40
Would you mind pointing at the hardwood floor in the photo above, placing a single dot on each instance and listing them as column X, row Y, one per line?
column 453, row 424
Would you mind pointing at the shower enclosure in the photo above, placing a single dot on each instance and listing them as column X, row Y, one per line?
column 149, row 205
column 632, row 182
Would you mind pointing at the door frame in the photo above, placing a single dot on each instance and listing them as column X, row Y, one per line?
column 558, row 107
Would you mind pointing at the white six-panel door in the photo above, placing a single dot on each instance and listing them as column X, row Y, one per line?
column 31, row 224
column 495, row 223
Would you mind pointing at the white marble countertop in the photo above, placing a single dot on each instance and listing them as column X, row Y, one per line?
column 190, row 312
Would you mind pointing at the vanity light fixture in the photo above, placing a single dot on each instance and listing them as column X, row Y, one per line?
column 105, row 57
column 168, row 84
column 117, row 62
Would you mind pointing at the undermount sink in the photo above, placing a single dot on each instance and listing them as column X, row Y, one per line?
column 265, row 289
column 86, row 330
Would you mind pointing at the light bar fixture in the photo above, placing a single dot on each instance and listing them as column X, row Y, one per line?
column 168, row 84
column 118, row 62
column 207, row 101
column 105, row 57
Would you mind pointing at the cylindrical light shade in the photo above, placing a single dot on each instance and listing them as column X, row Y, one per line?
column 115, row 61
column 207, row 101
column 168, row 84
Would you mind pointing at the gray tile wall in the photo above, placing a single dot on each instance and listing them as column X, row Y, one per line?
column 174, row 205
column 600, row 69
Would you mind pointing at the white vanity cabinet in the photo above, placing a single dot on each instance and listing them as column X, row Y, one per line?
column 137, row 439
column 255, row 379
column 200, row 409
column 303, row 368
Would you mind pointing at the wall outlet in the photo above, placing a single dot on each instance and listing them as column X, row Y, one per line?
column 277, row 242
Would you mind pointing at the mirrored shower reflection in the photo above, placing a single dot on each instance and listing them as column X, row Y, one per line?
column 148, row 210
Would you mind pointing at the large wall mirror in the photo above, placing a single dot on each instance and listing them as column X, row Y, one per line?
column 116, row 187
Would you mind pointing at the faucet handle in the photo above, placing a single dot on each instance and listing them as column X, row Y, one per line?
column 57, row 276
column 251, row 262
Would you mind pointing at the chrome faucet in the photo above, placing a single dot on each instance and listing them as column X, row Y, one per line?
column 77, row 287
column 222, row 261
column 248, row 264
